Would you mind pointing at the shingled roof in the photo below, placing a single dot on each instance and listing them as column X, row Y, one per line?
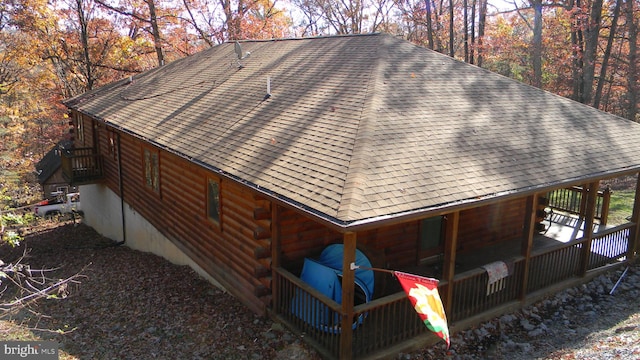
column 363, row 127
column 50, row 162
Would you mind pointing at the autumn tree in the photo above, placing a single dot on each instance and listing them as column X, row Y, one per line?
column 145, row 16
column 348, row 16
column 26, row 120
column 263, row 20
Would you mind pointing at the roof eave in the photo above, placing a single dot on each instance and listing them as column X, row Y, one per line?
column 442, row 209
column 344, row 226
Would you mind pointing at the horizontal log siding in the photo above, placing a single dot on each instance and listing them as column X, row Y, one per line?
column 397, row 243
column 227, row 253
column 389, row 246
column 491, row 224
column 300, row 237
column 87, row 132
column 109, row 161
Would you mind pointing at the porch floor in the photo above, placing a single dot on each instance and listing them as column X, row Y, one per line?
column 562, row 228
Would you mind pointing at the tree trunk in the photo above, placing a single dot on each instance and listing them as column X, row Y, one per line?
column 592, row 32
column 482, row 16
column 536, row 57
column 84, row 39
column 428, row 6
column 577, row 49
column 157, row 39
column 632, row 73
column 607, row 53
column 451, row 38
column 466, row 30
column 473, row 32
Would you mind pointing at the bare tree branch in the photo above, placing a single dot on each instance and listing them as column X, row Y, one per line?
column 26, row 285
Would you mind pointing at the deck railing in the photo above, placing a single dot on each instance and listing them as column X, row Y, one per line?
column 305, row 308
column 390, row 320
column 569, row 200
column 548, row 267
column 472, row 293
column 81, row 166
column 609, row 246
column 385, row 322
column 377, row 324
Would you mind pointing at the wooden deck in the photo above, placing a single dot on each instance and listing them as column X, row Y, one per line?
column 563, row 229
column 558, row 256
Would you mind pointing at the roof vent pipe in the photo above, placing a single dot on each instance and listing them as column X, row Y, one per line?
column 268, row 95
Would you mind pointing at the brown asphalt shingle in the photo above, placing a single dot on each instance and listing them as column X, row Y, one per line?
column 364, row 126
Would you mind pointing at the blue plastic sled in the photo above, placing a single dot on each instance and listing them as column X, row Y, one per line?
column 325, row 275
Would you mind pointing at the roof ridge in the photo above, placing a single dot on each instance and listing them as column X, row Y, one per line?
column 356, row 179
column 302, row 38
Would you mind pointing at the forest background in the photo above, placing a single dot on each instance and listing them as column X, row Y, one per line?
column 51, row 50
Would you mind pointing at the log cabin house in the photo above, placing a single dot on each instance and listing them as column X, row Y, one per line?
column 49, row 172
column 244, row 166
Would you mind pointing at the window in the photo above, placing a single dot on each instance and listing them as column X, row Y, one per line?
column 113, row 149
column 80, row 127
column 152, row 170
column 213, row 200
column 431, row 237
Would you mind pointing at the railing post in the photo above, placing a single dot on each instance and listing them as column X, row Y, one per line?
column 527, row 244
column 634, row 233
column 606, row 202
column 450, row 245
column 592, row 194
column 348, row 285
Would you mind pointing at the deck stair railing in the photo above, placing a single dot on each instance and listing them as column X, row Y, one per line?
column 569, row 200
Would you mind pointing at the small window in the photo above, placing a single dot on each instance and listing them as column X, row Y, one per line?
column 152, row 170
column 213, row 200
column 430, row 237
column 80, row 127
column 113, row 149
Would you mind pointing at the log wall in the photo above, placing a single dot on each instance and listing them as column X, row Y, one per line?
column 491, row 224
column 236, row 252
column 397, row 245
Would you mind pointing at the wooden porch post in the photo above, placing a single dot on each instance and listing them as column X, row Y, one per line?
column 348, row 285
column 587, row 234
column 527, row 242
column 634, row 233
column 450, row 245
column 583, row 200
column 276, row 249
column 606, row 203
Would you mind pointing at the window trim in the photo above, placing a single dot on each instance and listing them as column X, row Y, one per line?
column 112, row 141
column 80, row 127
column 148, row 169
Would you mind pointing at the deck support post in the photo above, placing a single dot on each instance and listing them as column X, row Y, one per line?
column 634, row 233
column 527, row 243
column 348, row 286
column 450, row 245
column 587, row 233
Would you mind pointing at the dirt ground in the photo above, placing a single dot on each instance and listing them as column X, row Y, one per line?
column 128, row 304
